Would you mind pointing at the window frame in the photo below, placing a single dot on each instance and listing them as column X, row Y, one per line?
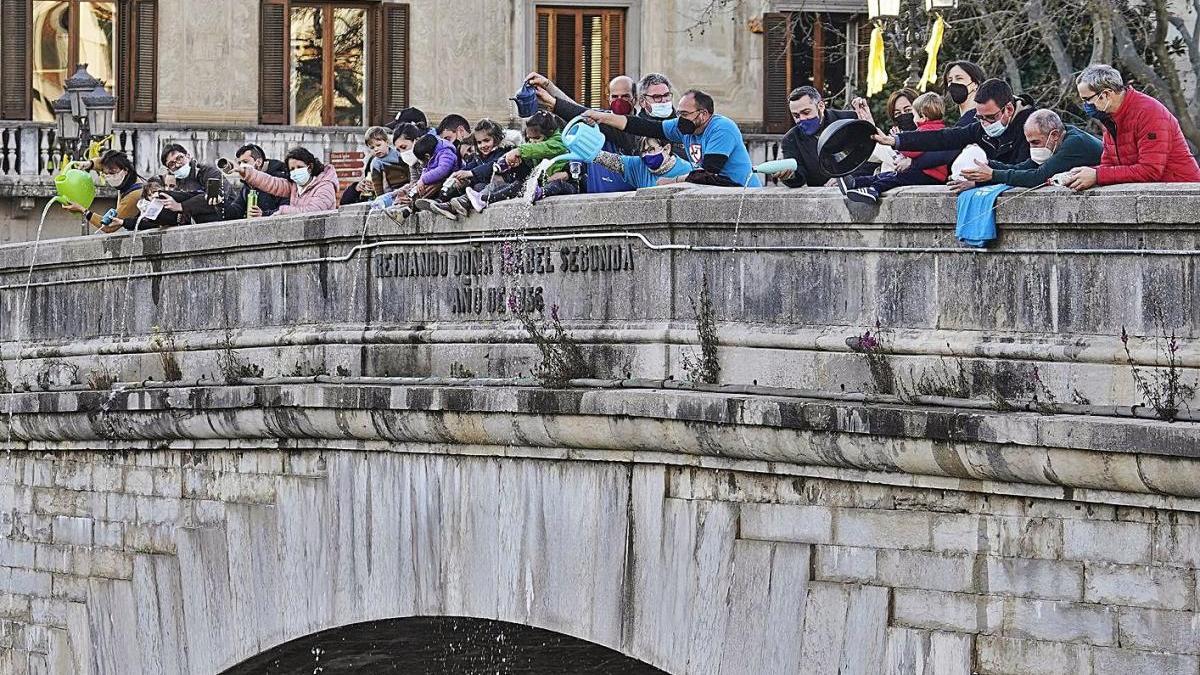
column 73, row 38
column 527, row 53
column 326, row 7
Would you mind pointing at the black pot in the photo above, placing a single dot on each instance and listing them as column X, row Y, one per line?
column 845, row 145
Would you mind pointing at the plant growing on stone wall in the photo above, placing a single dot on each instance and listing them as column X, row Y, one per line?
column 707, row 368
column 305, row 369
column 458, row 370
column 872, row 347
column 1162, row 387
column 51, row 373
column 562, row 359
column 232, row 366
column 1044, row 400
column 101, row 379
column 163, row 342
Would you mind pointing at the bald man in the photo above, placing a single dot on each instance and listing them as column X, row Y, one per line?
column 1053, row 149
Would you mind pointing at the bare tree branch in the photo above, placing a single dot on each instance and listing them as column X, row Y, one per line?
column 1036, row 10
column 1102, row 32
column 1166, row 63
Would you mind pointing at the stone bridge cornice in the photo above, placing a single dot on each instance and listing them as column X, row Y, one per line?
column 1119, row 460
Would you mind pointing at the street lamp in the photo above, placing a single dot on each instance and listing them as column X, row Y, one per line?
column 908, row 32
column 84, row 112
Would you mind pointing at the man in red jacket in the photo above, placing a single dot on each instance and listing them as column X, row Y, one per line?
column 1142, row 139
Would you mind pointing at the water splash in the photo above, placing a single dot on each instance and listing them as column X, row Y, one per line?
column 19, row 327
column 535, row 179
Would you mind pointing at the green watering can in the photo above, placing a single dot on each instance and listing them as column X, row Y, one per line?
column 75, row 187
column 583, row 140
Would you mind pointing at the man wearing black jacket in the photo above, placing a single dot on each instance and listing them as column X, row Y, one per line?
column 811, row 116
column 186, row 181
column 998, row 128
column 268, row 204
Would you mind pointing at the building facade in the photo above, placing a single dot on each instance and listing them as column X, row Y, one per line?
column 214, row 74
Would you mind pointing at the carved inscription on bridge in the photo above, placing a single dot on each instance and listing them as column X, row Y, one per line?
column 505, row 278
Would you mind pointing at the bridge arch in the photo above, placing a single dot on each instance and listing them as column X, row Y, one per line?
column 433, row 645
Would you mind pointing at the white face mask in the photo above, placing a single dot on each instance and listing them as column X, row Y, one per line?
column 183, row 172
column 409, row 157
column 1040, row 155
column 115, row 179
column 662, row 110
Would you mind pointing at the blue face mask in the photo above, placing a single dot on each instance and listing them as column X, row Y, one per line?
column 1093, row 112
column 995, row 128
column 810, row 126
column 654, row 162
column 301, row 176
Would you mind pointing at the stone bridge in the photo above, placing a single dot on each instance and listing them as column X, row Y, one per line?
column 327, row 443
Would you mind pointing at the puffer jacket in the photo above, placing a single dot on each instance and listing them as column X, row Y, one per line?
column 444, row 162
column 319, row 195
column 1144, row 144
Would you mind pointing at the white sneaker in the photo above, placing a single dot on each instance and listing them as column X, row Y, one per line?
column 476, row 199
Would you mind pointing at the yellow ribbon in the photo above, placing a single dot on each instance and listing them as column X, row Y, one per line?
column 935, row 45
column 876, row 62
column 95, row 147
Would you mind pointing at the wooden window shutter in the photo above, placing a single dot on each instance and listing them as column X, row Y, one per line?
column 392, row 26
column 777, row 65
column 16, row 49
column 545, row 38
column 616, row 47
column 568, row 54
column 273, row 60
column 137, row 61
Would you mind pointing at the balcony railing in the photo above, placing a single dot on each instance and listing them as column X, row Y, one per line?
column 31, row 149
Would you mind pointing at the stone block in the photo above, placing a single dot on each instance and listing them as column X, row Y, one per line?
column 54, row 558
column 15, row 607
column 158, row 510
column 69, row 588
column 919, row 569
column 1160, row 630
column 73, row 531
column 1054, row 621
column 49, row 611
column 73, row 475
column 882, row 528
column 1033, row 578
column 1094, row 540
column 150, row 538
column 953, row 612
column 139, row 481
column 1117, row 661
column 24, row 581
column 1177, row 544
column 108, row 535
column 107, row 477
column 110, row 564
column 16, row 553
column 1140, row 586
column 1010, row 656
column 785, row 522
column 919, row 652
column 846, row 564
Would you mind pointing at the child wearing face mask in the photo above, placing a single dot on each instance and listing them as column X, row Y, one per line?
column 655, row 162
column 431, row 160
column 928, row 111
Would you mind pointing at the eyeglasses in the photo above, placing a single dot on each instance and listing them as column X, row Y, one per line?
column 1088, row 99
column 179, row 161
column 688, row 113
column 988, row 119
column 659, row 98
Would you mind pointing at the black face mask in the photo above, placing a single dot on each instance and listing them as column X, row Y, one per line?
column 686, row 126
column 958, row 92
column 905, row 122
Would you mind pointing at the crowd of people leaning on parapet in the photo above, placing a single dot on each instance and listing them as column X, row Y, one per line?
column 654, row 135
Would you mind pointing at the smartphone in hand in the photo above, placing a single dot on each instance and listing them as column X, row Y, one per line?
column 213, row 189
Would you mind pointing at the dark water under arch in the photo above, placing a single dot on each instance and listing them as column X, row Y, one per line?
column 440, row 645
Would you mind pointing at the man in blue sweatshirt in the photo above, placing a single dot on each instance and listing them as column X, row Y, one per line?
column 1053, row 149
